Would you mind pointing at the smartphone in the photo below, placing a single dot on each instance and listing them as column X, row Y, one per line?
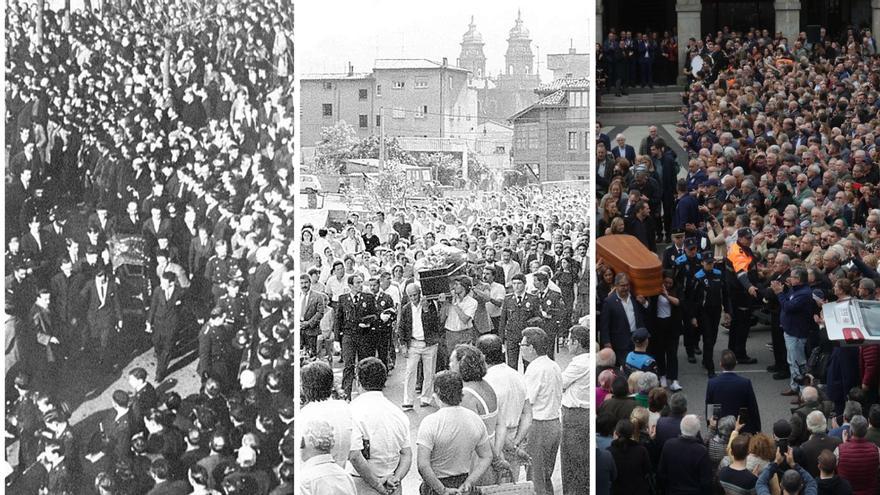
column 743, row 415
column 716, row 411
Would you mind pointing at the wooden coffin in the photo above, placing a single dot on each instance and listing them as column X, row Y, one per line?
column 625, row 254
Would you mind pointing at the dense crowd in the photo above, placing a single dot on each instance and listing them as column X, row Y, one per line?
column 626, row 60
column 776, row 214
column 515, row 286
column 149, row 203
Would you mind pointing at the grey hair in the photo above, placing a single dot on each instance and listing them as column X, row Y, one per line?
column 726, row 425
column 816, row 422
column 690, row 426
column 647, row 382
column 858, row 426
column 852, row 409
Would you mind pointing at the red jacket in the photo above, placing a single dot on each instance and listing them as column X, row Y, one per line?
column 869, row 364
column 858, row 460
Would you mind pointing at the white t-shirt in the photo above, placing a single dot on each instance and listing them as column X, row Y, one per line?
column 385, row 426
column 468, row 306
column 452, row 434
column 496, row 291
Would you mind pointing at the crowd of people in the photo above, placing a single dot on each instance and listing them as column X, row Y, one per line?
column 626, row 60
column 149, row 203
column 516, row 300
column 774, row 214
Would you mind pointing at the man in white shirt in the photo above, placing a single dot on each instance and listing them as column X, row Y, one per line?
column 381, row 228
column 514, row 411
column 381, row 452
column 495, row 293
column 460, row 311
column 544, row 390
column 320, row 475
column 510, row 266
column 316, row 389
column 448, row 439
column 576, row 413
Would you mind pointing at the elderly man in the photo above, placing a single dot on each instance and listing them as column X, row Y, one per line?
column 621, row 315
column 684, row 461
column 418, row 328
column 623, row 150
column 797, row 308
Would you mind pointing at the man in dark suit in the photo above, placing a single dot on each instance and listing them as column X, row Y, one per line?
column 65, row 290
column 615, row 327
column 103, row 313
column 117, row 425
column 144, row 399
column 163, row 320
column 807, row 455
column 312, row 312
column 641, row 225
column 673, row 251
column 519, row 311
column 733, row 393
column 552, row 309
column 419, row 331
column 131, row 222
column 354, row 320
column 544, row 258
column 214, row 348
column 385, row 319
column 623, row 150
column 161, row 472
column 105, row 224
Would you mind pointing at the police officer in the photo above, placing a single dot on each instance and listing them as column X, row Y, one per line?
column 519, row 311
column 219, row 269
column 674, row 250
column 709, row 298
column 741, row 276
column 214, row 348
column 552, row 309
column 234, row 306
column 355, row 316
column 686, row 266
column 383, row 326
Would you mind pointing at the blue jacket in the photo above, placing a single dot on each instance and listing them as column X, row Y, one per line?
column 686, row 211
column 732, row 392
column 797, row 308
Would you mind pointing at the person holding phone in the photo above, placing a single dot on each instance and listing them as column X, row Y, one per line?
column 734, row 394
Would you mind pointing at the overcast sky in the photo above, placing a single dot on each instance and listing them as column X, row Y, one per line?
column 330, row 33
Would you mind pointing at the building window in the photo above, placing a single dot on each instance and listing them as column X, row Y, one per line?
column 362, row 94
column 572, row 141
column 378, row 120
column 499, row 150
column 327, row 109
column 398, row 84
column 421, row 83
column 398, row 113
column 421, row 111
column 378, row 90
column 577, row 99
column 328, row 85
column 363, row 121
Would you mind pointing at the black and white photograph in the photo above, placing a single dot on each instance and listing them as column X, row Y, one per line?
column 444, row 231
column 737, row 247
column 149, row 247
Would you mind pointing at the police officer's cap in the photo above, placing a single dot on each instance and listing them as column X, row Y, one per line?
column 690, row 242
column 744, row 232
column 708, row 256
column 640, row 335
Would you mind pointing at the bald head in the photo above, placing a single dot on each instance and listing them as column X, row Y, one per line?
column 606, row 358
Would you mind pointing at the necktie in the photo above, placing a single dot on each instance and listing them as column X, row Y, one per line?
column 305, row 300
column 101, row 293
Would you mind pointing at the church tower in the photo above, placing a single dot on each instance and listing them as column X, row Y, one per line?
column 519, row 57
column 472, row 57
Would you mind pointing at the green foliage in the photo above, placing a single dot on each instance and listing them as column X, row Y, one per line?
column 337, row 144
column 390, row 187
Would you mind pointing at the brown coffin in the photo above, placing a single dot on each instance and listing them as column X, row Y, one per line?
column 625, row 254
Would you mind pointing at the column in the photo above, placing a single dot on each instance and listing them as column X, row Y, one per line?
column 788, row 18
column 875, row 18
column 600, row 9
column 688, row 27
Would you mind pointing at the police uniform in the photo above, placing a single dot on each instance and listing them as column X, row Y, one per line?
column 355, row 316
column 383, row 329
column 741, row 274
column 517, row 313
column 685, row 268
column 218, row 271
column 552, row 304
column 709, row 298
column 236, row 311
column 214, row 352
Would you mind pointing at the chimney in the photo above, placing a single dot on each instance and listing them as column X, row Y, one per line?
column 445, row 62
column 350, row 70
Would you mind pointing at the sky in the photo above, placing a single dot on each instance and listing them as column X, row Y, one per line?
column 329, row 34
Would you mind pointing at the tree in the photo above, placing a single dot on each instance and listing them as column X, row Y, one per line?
column 447, row 168
column 338, row 143
column 368, row 147
column 390, row 187
column 477, row 170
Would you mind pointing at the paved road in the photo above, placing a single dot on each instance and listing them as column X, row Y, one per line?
column 394, row 392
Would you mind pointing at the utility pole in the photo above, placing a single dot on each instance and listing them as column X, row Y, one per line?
column 381, row 139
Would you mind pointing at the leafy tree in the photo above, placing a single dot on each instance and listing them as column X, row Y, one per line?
column 477, row 170
column 369, row 148
column 338, row 143
column 390, row 187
